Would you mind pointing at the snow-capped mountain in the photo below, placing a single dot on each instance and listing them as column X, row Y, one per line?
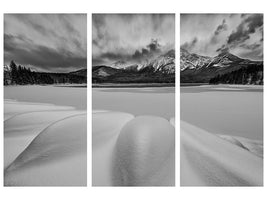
column 152, row 69
column 192, row 61
column 197, row 68
column 224, row 60
column 164, row 63
column 121, row 64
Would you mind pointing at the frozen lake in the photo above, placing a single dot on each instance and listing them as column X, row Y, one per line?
column 228, row 110
column 137, row 101
column 58, row 95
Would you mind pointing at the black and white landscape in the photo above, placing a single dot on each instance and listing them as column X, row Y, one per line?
column 133, row 76
column 136, row 53
column 45, row 100
column 151, row 69
column 221, row 71
column 224, row 68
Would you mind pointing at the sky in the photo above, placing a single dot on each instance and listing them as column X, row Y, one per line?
column 211, row 34
column 131, row 37
column 46, row 42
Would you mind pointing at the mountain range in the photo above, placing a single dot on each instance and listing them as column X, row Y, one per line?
column 160, row 69
column 196, row 68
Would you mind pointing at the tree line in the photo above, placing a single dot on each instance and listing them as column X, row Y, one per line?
column 252, row 74
column 20, row 75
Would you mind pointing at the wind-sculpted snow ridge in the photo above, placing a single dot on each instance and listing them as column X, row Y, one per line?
column 106, row 128
column 253, row 146
column 144, row 153
column 209, row 160
column 132, row 151
column 45, row 145
column 21, row 129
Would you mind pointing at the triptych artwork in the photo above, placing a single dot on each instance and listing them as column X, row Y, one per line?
column 132, row 79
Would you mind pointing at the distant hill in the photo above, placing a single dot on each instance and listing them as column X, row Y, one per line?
column 202, row 69
column 155, row 70
column 19, row 75
column 81, row 72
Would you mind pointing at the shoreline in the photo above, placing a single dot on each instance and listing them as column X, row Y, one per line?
column 221, row 84
column 132, row 85
column 55, row 85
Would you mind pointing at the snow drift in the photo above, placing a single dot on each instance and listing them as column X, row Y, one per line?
column 211, row 160
column 45, row 145
column 132, row 151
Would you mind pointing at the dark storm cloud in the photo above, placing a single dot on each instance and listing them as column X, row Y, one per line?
column 42, row 57
column 46, row 42
column 238, row 38
column 247, row 27
column 240, row 34
column 190, row 45
column 221, row 27
column 151, row 49
column 127, row 36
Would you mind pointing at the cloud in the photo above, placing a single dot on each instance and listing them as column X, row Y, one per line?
column 47, row 42
column 256, row 54
column 240, row 34
column 251, row 46
column 151, row 49
column 41, row 57
column 190, row 45
column 247, row 38
column 221, row 27
column 129, row 36
column 245, row 29
column 224, row 48
column 243, row 15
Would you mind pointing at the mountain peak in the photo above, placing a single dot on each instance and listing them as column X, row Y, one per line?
column 195, row 68
column 119, row 64
column 228, row 56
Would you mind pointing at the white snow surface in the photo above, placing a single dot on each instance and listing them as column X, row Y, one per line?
column 211, row 160
column 44, row 145
column 132, row 151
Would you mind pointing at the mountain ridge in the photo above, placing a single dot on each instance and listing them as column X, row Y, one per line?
column 196, row 68
column 155, row 70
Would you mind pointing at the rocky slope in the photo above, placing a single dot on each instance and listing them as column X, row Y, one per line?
column 198, row 69
column 157, row 70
